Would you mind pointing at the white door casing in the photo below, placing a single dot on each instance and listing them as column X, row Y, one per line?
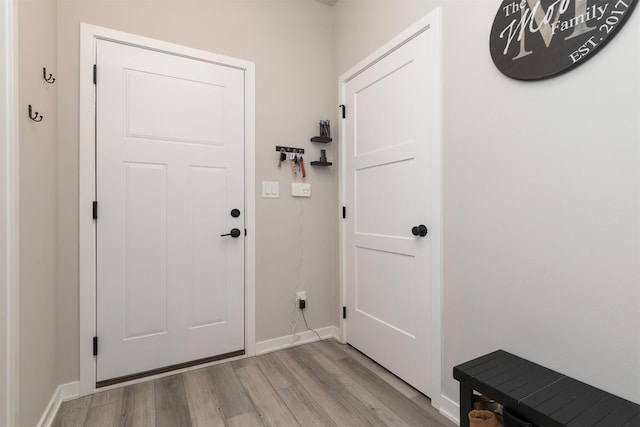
column 390, row 182
column 9, row 280
column 199, row 172
column 170, row 169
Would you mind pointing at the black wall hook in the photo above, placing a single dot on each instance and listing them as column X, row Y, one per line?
column 35, row 117
column 49, row 79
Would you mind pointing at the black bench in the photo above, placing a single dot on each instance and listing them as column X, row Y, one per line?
column 540, row 395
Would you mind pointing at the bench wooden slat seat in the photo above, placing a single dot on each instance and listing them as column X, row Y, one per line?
column 540, row 395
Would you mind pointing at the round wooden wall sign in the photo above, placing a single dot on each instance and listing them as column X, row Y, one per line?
column 536, row 39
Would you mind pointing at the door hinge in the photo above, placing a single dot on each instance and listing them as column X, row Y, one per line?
column 344, row 116
column 95, row 210
column 344, row 312
column 95, row 346
column 344, row 212
column 95, row 74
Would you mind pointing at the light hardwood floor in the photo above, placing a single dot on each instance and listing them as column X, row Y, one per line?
column 319, row 384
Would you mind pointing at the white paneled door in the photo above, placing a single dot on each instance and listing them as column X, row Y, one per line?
column 388, row 193
column 170, row 192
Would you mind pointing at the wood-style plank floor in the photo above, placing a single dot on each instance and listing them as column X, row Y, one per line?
column 319, row 384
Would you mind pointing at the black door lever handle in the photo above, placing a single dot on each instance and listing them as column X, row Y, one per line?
column 233, row 233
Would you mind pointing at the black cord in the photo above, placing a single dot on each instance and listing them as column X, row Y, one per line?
column 307, row 325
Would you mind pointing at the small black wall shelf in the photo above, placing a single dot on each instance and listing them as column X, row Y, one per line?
column 323, row 160
column 319, row 163
column 321, row 139
column 325, row 131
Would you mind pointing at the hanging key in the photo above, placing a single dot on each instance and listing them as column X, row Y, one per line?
column 302, row 171
column 294, row 166
column 283, row 157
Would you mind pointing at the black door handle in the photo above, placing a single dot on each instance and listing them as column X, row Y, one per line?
column 233, row 233
column 420, row 230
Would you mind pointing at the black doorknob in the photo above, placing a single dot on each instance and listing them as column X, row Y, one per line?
column 233, row 233
column 420, row 230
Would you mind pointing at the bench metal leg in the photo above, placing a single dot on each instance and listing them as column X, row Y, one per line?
column 466, row 403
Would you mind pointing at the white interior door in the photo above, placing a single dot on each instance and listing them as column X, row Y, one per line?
column 169, row 171
column 388, row 192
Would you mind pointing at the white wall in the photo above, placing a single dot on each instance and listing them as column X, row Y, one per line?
column 541, row 192
column 291, row 42
column 38, row 210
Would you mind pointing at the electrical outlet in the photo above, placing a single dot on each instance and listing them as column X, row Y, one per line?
column 299, row 189
column 301, row 300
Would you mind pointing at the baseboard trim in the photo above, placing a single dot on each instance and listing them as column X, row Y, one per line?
column 450, row 409
column 62, row 393
column 305, row 337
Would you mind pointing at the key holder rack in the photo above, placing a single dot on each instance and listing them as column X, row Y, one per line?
column 289, row 149
column 295, row 158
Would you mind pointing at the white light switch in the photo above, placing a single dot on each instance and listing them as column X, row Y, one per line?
column 299, row 189
column 270, row 189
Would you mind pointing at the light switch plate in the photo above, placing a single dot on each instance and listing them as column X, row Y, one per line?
column 299, row 189
column 270, row 189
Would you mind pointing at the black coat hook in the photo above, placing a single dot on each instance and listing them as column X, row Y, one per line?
column 35, row 117
column 49, row 79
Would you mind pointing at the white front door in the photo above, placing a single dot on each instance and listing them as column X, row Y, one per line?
column 388, row 193
column 169, row 173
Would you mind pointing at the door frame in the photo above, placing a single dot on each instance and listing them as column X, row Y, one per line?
column 89, row 35
column 9, row 279
column 430, row 23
